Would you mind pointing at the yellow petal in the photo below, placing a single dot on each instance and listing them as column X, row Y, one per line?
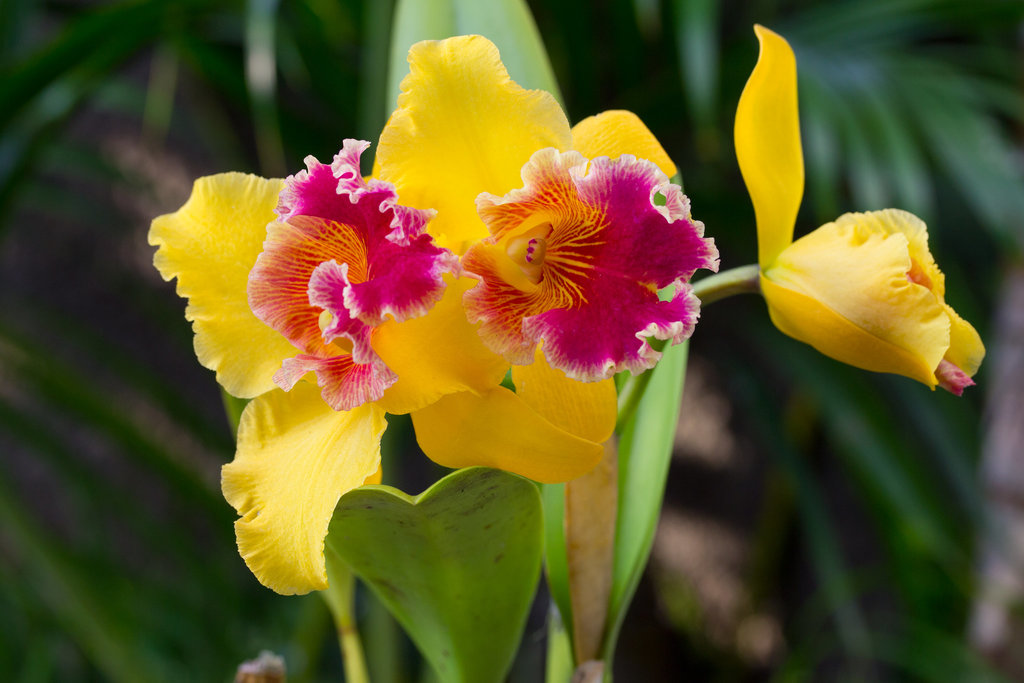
column 375, row 478
column 966, row 350
column 500, row 430
column 617, row 132
column 892, row 221
column 844, row 290
column 210, row 244
column 463, row 127
column 585, row 409
column 436, row 354
column 295, row 459
column 767, row 138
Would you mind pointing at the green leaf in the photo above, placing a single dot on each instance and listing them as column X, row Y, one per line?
column 507, row 23
column 644, row 454
column 556, row 559
column 456, row 565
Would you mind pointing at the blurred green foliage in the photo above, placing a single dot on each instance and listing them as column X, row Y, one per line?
column 117, row 559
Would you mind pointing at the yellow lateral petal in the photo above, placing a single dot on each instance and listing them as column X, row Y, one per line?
column 210, row 244
column 811, row 322
column 500, row 430
column 295, row 458
column 843, row 289
column 436, row 354
column 614, row 133
column 586, row 409
column 767, row 138
column 463, row 127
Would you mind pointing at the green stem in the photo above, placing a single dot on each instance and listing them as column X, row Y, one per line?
column 742, row 280
column 339, row 597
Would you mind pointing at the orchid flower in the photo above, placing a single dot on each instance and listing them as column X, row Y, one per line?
column 562, row 226
column 863, row 289
column 302, row 276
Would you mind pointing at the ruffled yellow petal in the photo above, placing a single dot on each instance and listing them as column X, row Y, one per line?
column 923, row 268
column 463, row 127
column 585, row 409
column 767, row 138
column 614, row 133
column 210, row 244
column 436, row 354
column 500, row 430
column 966, row 350
column 844, row 290
column 294, row 460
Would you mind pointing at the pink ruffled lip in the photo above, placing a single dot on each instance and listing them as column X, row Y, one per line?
column 343, row 258
column 576, row 259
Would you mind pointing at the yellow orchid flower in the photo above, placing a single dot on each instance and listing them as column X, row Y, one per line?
column 543, row 229
column 863, row 289
column 300, row 277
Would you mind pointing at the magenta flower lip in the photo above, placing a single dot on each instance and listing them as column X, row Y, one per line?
column 343, row 258
column 576, row 259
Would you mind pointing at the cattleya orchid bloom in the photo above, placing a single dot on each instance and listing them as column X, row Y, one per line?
column 863, row 289
column 308, row 290
column 569, row 252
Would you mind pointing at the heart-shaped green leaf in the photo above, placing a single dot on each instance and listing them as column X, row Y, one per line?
column 457, row 565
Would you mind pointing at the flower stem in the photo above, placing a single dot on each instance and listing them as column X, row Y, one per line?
column 742, row 280
column 339, row 597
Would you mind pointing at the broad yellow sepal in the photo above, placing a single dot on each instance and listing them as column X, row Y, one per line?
column 585, row 409
column 499, row 429
column 210, row 244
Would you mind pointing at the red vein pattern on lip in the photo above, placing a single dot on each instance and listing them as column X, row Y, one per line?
column 576, row 259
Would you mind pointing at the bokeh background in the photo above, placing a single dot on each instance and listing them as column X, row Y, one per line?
column 820, row 523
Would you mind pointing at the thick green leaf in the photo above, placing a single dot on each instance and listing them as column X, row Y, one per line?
column 556, row 560
column 456, row 565
column 507, row 23
column 644, row 454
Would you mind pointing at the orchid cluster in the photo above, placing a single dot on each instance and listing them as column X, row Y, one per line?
column 491, row 276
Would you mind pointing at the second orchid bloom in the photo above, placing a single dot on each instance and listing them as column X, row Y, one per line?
column 863, row 289
column 491, row 233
